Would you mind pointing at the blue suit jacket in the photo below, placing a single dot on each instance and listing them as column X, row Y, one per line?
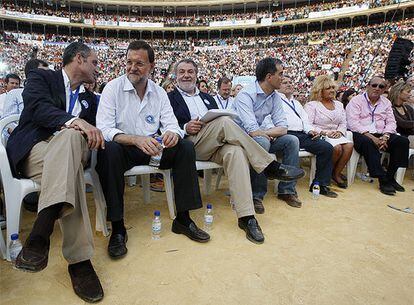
column 180, row 108
column 44, row 113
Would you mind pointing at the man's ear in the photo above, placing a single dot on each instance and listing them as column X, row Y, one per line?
column 152, row 66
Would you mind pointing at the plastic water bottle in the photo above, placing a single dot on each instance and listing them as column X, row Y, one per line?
column 155, row 160
column 156, row 226
column 208, row 218
column 365, row 177
column 15, row 247
column 315, row 191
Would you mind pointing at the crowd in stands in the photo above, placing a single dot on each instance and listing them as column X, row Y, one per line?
column 278, row 14
column 309, row 55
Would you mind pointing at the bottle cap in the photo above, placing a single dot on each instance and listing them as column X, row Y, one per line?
column 157, row 213
column 14, row 236
column 209, row 206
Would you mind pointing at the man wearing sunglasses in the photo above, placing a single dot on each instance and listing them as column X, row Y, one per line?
column 372, row 122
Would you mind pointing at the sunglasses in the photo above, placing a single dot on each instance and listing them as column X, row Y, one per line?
column 381, row 86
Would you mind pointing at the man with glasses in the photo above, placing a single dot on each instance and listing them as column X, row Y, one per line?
column 371, row 119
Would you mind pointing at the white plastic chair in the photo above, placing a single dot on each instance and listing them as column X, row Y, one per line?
column 16, row 189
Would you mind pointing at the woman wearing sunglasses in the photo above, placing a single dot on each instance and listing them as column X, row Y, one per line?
column 327, row 117
column 371, row 119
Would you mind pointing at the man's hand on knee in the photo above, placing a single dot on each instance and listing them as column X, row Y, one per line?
column 148, row 145
column 93, row 134
column 170, row 139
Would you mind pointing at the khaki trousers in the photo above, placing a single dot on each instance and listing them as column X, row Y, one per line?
column 224, row 142
column 57, row 165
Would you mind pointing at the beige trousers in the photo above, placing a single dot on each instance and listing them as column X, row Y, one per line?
column 57, row 165
column 224, row 142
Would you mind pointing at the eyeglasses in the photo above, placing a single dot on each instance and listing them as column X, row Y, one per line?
column 381, row 86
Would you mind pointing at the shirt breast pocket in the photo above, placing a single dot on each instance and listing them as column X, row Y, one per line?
column 151, row 123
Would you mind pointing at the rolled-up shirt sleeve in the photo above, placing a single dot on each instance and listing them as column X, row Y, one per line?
column 167, row 118
column 106, row 114
column 243, row 105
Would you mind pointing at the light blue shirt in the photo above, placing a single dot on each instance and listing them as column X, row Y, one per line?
column 12, row 105
column 252, row 106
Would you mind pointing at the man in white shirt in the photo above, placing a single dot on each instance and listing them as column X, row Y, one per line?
column 224, row 142
column 223, row 98
column 12, row 82
column 298, row 126
column 131, row 110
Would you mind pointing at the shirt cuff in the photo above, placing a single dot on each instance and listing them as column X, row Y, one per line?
column 67, row 124
column 185, row 129
column 110, row 134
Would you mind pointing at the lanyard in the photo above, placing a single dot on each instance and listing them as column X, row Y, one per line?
column 73, row 98
column 372, row 110
column 219, row 99
column 292, row 106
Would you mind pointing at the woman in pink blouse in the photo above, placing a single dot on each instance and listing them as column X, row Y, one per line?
column 327, row 117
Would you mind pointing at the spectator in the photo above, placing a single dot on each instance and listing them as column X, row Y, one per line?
column 347, row 96
column 327, row 116
column 371, row 119
column 223, row 98
column 168, row 85
column 404, row 114
column 12, row 82
column 203, row 86
column 236, row 89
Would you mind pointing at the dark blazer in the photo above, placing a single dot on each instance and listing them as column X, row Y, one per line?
column 44, row 113
column 180, row 108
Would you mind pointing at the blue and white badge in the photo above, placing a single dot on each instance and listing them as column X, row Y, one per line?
column 85, row 104
column 150, row 119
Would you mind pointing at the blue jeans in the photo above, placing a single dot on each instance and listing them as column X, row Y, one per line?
column 288, row 147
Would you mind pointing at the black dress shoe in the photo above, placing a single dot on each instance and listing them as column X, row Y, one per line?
column 117, row 245
column 253, row 231
column 325, row 190
column 398, row 187
column 387, row 188
column 191, row 231
column 342, row 185
column 85, row 282
column 258, row 206
column 283, row 172
column 34, row 255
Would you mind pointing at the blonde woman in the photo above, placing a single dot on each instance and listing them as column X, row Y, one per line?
column 327, row 116
column 404, row 115
column 168, row 85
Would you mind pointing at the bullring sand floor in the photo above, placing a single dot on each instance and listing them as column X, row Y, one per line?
column 349, row 250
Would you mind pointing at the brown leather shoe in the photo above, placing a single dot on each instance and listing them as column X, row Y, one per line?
column 85, row 282
column 34, row 255
column 291, row 200
column 258, row 206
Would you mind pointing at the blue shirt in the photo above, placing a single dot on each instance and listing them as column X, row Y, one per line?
column 252, row 106
column 12, row 105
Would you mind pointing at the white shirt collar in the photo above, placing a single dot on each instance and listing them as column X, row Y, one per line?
column 66, row 82
column 197, row 92
column 128, row 86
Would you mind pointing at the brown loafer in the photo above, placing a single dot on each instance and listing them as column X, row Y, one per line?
column 34, row 255
column 291, row 200
column 258, row 206
column 85, row 282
